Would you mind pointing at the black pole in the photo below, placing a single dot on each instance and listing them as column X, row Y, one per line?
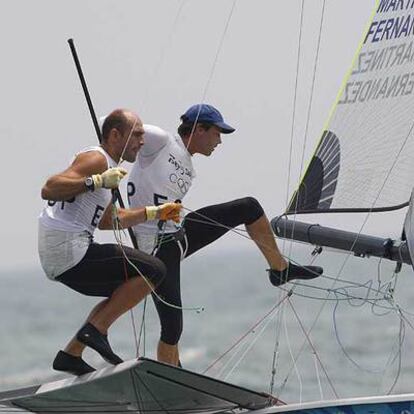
column 85, row 89
column 116, row 194
column 360, row 244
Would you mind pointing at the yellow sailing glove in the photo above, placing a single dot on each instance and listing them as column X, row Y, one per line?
column 109, row 178
column 170, row 211
column 167, row 211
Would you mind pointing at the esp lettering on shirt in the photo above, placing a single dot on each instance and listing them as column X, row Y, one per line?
column 97, row 215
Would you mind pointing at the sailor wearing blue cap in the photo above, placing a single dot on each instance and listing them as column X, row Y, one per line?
column 208, row 114
column 164, row 172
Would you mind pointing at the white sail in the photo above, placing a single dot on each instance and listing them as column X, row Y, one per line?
column 364, row 159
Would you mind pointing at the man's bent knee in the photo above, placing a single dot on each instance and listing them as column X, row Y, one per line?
column 157, row 273
column 251, row 209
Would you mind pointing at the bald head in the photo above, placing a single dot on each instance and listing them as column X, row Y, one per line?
column 122, row 135
column 120, row 119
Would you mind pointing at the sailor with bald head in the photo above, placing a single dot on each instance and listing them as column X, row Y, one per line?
column 79, row 201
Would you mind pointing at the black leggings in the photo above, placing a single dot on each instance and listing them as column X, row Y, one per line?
column 201, row 228
column 103, row 267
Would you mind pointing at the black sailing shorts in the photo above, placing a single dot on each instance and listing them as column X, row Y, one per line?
column 104, row 268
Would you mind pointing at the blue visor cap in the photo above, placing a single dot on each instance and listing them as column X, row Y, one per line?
column 207, row 114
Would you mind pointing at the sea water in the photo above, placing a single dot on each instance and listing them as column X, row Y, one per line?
column 325, row 340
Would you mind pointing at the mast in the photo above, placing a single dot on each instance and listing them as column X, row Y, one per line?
column 116, row 195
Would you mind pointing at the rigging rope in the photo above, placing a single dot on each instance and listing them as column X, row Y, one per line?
column 275, row 356
column 213, row 67
column 197, row 309
column 307, row 336
column 117, row 233
column 249, row 347
column 348, row 356
column 329, row 291
column 251, row 329
column 166, row 47
column 291, row 142
column 347, row 295
column 241, row 232
column 293, row 359
column 279, row 321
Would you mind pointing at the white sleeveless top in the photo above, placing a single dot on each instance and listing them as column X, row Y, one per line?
column 163, row 172
column 66, row 227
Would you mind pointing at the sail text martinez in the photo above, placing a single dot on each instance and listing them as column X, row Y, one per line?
column 386, row 47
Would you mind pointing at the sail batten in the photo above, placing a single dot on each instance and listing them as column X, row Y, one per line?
column 363, row 161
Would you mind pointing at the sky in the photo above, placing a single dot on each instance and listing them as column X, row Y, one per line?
column 158, row 57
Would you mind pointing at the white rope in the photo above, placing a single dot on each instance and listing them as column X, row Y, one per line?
column 275, row 358
column 127, row 141
column 228, row 363
column 117, row 232
column 293, row 359
column 161, row 58
column 240, row 232
column 249, row 347
column 213, row 67
column 318, row 377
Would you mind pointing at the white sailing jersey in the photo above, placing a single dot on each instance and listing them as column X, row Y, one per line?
column 163, row 172
column 66, row 227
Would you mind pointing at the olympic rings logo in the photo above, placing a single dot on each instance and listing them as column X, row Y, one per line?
column 181, row 184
